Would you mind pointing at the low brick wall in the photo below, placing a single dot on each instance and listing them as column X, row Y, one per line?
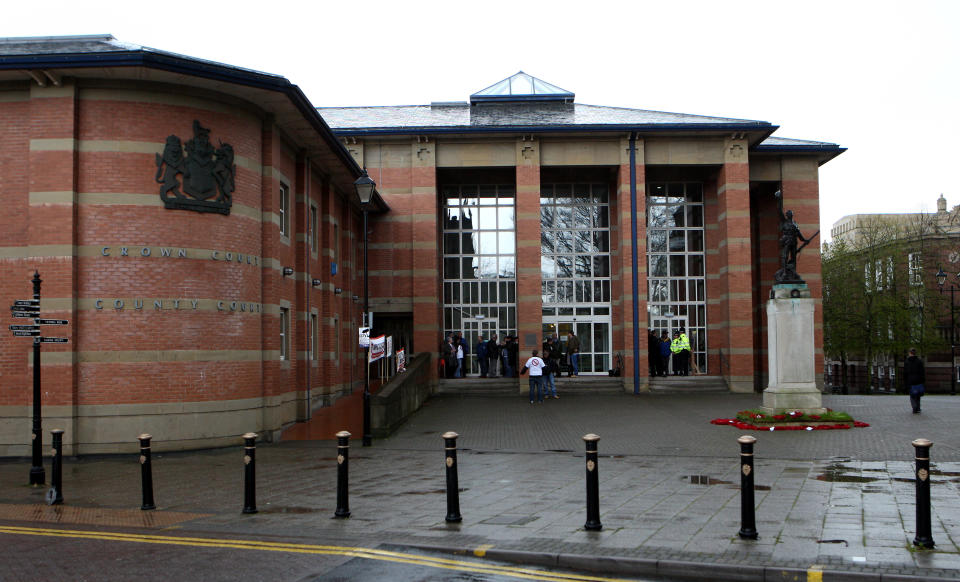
column 402, row 396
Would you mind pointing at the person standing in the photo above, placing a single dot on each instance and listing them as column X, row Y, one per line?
column 493, row 353
column 573, row 351
column 680, row 348
column 505, row 357
column 685, row 353
column 449, row 357
column 481, row 351
column 664, row 367
column 535, row 366
column 914, row 377
column 458, row 342
column 514, row 355
column 549, row 374
column 653, row 352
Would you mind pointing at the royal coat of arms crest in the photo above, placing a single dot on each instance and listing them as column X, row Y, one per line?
column 208, row 173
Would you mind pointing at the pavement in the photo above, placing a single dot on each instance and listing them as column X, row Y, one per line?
column 830, row 505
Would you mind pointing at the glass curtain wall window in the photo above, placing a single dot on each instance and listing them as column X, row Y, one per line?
column 575, row 268
column 676, row 264
column 479, row 263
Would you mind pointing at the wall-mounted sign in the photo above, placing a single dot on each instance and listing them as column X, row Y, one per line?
column 208, row 173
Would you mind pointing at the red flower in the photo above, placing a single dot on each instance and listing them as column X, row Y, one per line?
column 814, row 417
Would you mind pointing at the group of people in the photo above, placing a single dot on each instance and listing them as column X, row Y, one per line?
column 491, row 356
column 661, row 349
column 501, row 359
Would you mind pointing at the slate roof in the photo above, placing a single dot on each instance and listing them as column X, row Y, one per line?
column 90, row 47
column 532, row 115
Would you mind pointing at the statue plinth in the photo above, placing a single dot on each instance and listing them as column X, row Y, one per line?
column 790, row 352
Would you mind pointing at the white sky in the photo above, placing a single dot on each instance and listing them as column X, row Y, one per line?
column 881, row 78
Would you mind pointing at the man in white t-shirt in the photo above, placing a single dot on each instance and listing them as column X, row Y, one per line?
column 536, row 367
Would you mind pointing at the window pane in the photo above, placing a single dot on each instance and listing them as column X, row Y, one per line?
column 601, row 193
column 467, row 267
column 452, row 219
column 677, row 241
column 546, row 242
column 487, row 268
column 507, row 246
column 695, row 265
column 677, row 266
column 508, row 267
column 505, row 217
column 695, row 192
column 451, row 244
column 584, row 241
column 564, row 240
column 486, row 218
column 658, row 265
column 546, row 216
column 581, row 194
column 601, row 266
column 488, row 243
column 657, row 239
column 468, row 243
column 564, row 217
column 601, row 216
column 695, row 240
column 451, row 268
column 658, row 290
column 548, row 267
column 583, row 266
column 695, row 215
column 564, row 267
column 601, row 241
column 657, row 217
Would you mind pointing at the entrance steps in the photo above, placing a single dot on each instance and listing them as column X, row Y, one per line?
column 688, row 384
column 512, row 386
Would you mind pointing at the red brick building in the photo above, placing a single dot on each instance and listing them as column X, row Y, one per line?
column 196, row 223
column 522, row 212
column 198, row 318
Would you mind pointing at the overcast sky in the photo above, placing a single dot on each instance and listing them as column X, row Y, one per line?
column 878, row 77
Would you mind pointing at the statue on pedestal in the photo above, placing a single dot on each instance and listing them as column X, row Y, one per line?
column 789, row 235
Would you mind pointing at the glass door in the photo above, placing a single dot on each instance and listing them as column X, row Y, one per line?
column 473, row 329
column 661, row 324
column 594, row 335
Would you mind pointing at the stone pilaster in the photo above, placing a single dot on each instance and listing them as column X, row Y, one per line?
column 736, row 280
column 529, row 298
column 427, row 322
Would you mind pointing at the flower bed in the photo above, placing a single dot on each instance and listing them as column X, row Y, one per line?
column 756, row 419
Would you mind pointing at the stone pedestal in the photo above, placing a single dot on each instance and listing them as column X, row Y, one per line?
column 790, row 355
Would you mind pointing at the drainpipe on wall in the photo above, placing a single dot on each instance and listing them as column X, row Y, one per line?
column 634, row 265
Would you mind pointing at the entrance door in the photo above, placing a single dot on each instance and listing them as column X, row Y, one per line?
column 473, row 328
column 594, row 335
column 669, row 325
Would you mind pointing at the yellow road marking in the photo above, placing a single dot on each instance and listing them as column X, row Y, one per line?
column 815, row 573
column 356, row 552
column 481, row 550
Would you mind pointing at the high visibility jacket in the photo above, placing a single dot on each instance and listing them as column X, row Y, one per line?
column 679, row 344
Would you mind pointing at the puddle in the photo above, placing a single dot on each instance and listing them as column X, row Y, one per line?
column 708, row 480
column 433, row 492
column 838, row 473
column 844, row 542
column 559, row 450
column 280, row 509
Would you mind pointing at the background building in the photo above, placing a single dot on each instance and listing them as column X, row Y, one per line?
column 882, row 297
column 195, row 326
column 522, row 212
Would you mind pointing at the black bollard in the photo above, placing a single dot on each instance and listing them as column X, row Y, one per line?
column 593, row 485
column 343, row 467
column 55, row 494
column 453, row 484
column 924, row 536
column 249, row 473
column 146, row 473
column 748, row 518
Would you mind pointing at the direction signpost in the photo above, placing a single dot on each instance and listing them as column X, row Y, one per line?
column 30, row 309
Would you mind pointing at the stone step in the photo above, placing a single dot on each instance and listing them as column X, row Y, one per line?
column 688, row 384
column 512, row 386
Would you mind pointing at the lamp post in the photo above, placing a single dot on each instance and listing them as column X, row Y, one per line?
column 941, row 279
column 365, row 187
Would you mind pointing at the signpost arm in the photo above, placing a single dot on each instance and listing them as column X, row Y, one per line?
column 37, row 475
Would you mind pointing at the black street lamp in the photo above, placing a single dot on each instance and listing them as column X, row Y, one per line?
column 941, row 280
column 365, row 187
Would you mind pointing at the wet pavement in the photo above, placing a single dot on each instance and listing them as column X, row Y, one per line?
column 837, row 504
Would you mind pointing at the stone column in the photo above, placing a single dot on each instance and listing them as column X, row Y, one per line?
column 622, row 283
column 736, row 333
column 529, row 298
column 427, row 276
